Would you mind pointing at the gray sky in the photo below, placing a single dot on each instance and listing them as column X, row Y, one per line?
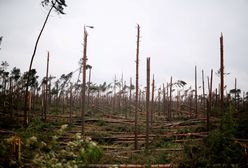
column 176, row 34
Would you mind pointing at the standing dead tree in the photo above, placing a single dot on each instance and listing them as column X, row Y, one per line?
column 170, row 99
column 84, row 81
column 88, row 91
column 203, row 91
column 84, row 78
column 164, row 105
column 209, row 100
column 137, row 90
column 147, row 101
column 196, row 110
column 46, row 89
column 152, row 103
column 58, row 5
column 221, row 74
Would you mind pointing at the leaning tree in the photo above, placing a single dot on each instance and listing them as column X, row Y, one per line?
column 57, row 6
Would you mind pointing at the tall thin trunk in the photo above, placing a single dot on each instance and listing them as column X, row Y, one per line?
column 159, row 99
column 216, row 96
column 164, row 109
column 10, row 98
column 26, row 121
column 170, row 100
column 46, row 89
column 43, row 100
column 88, row 96
column 209, row 101
column 70, row 112
column 147, row 101
column 203, row 91
column 49, row 91
column 114, row 98
column 84, row 81
column 137, row 91
column 130, row 96
column 221, row 73
column 235, row 95
column 196, row 109
column 152, row 104
column 178, row 101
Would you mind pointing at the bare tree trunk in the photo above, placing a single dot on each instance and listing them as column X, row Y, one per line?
column 10, row 98
column 70, row 112
column 235, row 95
column 203, row 91
column 46, row 88
column 137, row 91
column 209, row 101
column 147, row 101
column 84, row 81
column 26, row 121
column 221, row 74
column 167, row 100
column 130, row 96
column 164, row 109
column 152, row 104
column 170, row 100
column 43, row 100
column 159, row 99
column 114, row 98
column 196, row 109
column 88, row 96
column 178, row 96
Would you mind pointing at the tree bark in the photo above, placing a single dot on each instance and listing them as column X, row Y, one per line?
column 203, row 91
column 137, row 91
column 147, row 102
column 221, row 74
column 84, row 81
column 152, row 104
column 46, row 89
column 196, row 107
column 209, row 101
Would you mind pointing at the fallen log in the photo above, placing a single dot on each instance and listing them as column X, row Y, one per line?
column 126, row 165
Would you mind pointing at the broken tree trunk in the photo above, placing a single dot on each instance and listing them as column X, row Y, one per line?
column 137, row 90
column 221, row 74
column 152, row 104
column 203, row 91
column 196, row 110
column 209, row 101
column 147, row 101
column 170, row 100
column 84, row 81
column 46, row 88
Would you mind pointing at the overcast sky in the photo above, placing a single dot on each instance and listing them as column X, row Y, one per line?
column 176, row 34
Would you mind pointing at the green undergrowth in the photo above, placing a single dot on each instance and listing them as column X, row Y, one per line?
column 219, row 148
column 43, row 145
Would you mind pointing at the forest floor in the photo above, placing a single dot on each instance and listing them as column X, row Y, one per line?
column 114, row 133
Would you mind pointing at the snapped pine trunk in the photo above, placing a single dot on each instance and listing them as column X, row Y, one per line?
column 147, row 102
column 221, row 74
column 203, row 92
column 84, row 81
column 152, row 103
column 170, row 100
column 137, row 91
column 209, row 100
column 196, row 109
column 46, row 89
